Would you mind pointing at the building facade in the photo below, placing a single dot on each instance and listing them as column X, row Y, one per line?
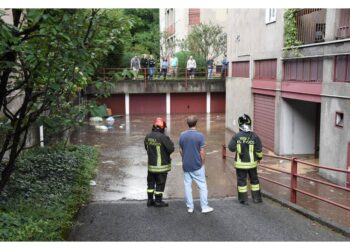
column 176, row 23
column 299, row 99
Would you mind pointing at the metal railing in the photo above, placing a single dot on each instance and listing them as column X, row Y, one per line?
column 153, row 74
column 293, row 173
column 311, row 25
column 343, row 30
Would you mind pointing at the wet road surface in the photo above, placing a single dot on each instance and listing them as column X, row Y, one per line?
column 122, row 168
column 123, row 164
column 134, row 221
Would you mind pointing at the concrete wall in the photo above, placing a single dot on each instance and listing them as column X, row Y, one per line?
column 168, row 86
column 335, row 98
column 249, row 39
column 238, row 101
column 248, row 35
column 297, row 123
column 334, row 140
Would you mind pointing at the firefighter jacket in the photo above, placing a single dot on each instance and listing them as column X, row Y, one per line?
column 158, row 147
column 248, row 148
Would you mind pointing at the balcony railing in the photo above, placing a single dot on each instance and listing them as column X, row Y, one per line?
column 311, row 25
column 343, row 30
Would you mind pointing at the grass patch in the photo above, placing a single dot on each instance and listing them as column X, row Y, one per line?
column 45, row 193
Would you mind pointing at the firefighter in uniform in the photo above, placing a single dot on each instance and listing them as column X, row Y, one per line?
column 248, row 148
column 159, row 147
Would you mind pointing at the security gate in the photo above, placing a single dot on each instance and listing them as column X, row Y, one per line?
column 264, row 119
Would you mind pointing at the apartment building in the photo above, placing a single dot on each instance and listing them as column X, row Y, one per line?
column 177, row 23
column 300, row 99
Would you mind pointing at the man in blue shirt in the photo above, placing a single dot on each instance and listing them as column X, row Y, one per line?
column 192, row 150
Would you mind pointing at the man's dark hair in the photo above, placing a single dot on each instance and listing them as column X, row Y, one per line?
column 192, row 121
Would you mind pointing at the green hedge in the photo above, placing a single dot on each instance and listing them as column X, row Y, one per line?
column 45, row 193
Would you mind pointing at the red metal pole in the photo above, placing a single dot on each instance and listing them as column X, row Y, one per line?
column 223, row 151
column 293, row 183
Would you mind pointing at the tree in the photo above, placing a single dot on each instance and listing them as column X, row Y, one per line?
column 47, row 57
column 144, row 35
column 207, row 39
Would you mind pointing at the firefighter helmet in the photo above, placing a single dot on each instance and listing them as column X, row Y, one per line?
column 160, row 123
column 244, row 122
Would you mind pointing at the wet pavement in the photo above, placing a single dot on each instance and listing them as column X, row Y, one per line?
column 134, row 221
column 123, row 165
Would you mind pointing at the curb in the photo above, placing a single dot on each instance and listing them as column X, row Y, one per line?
column 309, row 214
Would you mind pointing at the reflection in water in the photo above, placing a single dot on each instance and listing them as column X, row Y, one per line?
column 123, row 163
column 127, row 124
column 208, row 122
column 122, row 170
column 168, row 122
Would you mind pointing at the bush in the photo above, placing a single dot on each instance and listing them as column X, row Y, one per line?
column 183, row 56
column 46, row 192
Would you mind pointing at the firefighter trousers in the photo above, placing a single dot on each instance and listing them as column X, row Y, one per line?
column 156, row 183
column 242, row 187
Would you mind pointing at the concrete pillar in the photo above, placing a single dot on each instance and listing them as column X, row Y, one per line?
column 168, row 103
column 208, row 102
column 168, row 123
column 41, row 133
column 127, row 110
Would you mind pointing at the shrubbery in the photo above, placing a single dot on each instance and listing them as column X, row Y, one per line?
column 45, row 193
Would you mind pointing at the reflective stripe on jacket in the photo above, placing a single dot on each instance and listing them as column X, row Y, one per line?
column 248, row 148
column 158, row 147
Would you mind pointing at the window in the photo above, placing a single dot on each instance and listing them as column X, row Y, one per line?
column 342, row 68
column 240, row 69
column 303, row 70
column 270, row 15
column 344, row 24
column 265, row 69
column 339, row 119
column 194, row 16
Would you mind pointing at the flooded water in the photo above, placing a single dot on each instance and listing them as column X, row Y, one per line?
column 122, row 169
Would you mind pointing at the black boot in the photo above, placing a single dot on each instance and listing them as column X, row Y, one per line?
column 150, row 201
column 243, row 198
column 256, row 195
column 159, row 202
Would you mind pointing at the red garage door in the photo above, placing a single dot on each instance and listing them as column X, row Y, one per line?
column 147, row 104
column 184, row 103
column 264, row 119
column 116, row 103
column 217, row 102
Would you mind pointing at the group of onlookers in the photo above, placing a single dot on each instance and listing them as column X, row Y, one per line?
column 147, row 65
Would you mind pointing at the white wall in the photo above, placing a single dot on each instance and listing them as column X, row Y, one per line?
column 297, row 127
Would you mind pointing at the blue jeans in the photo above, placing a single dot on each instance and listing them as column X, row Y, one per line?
column 199, row 177
column 210, row 73
column 151, row 72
